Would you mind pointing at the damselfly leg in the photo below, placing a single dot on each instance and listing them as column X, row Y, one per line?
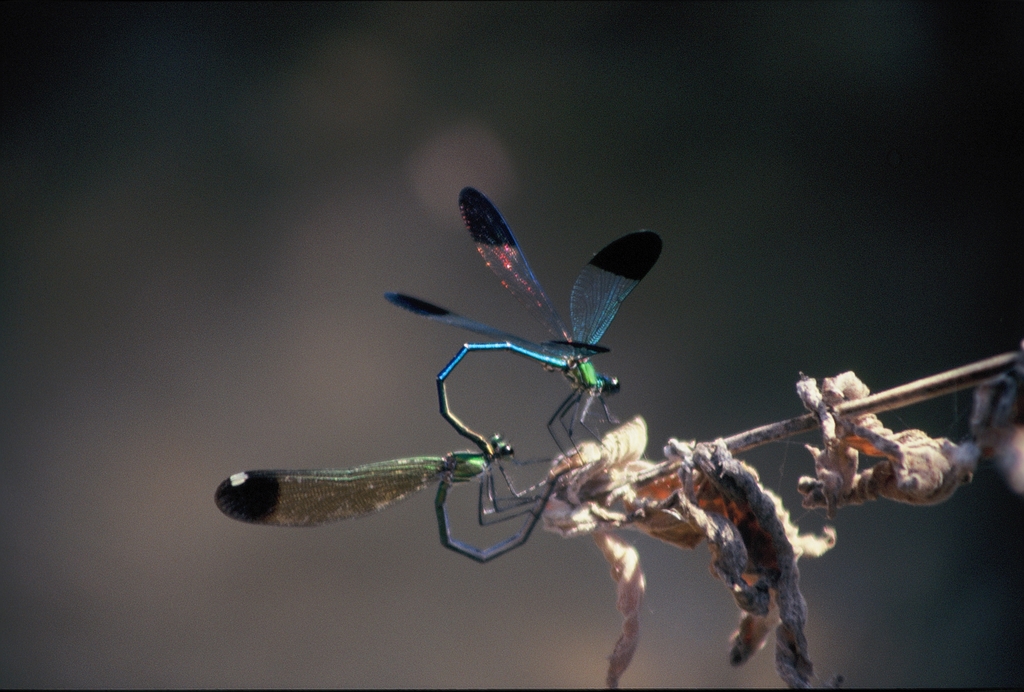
column 497, row 506
column 532, row 506
column 572, row 415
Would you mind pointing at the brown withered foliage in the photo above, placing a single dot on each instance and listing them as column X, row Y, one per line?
column 630, row 587
column 915, row 469
column 699, row 493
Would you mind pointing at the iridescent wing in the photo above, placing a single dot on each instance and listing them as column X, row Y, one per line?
column 606, row 281
column 496, row 244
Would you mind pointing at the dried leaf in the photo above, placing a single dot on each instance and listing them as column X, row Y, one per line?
column 770, row 576
column 701, row 492
column 630, row 588
column 750, row 636
column 916, row 468
column 592, row 478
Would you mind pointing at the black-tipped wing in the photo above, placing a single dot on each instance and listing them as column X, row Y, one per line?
column 496, row 244
column 606, row 281
column 308, row 498
column 439, row 314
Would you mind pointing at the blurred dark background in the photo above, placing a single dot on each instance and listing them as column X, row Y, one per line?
column 202, row 206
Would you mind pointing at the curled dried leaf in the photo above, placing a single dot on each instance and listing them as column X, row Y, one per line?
column 592, row 478
column 700, row 493
column 750, row 636
column 734, row 487
column 630, row 586
column 916, row 468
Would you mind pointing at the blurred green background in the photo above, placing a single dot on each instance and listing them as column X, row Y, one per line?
column 202, row 206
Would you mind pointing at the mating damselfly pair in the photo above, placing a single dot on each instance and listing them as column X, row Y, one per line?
column 309, row 498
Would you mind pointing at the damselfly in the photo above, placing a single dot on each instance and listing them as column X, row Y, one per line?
column 314, row 497
column 600, row 288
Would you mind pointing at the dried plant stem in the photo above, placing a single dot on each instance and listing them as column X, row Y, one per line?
column 897, row 397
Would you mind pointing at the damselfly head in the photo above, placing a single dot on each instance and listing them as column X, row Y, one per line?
column 609, row 385
column 500, row 447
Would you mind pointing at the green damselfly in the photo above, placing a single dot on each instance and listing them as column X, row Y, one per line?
column 319, row 496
